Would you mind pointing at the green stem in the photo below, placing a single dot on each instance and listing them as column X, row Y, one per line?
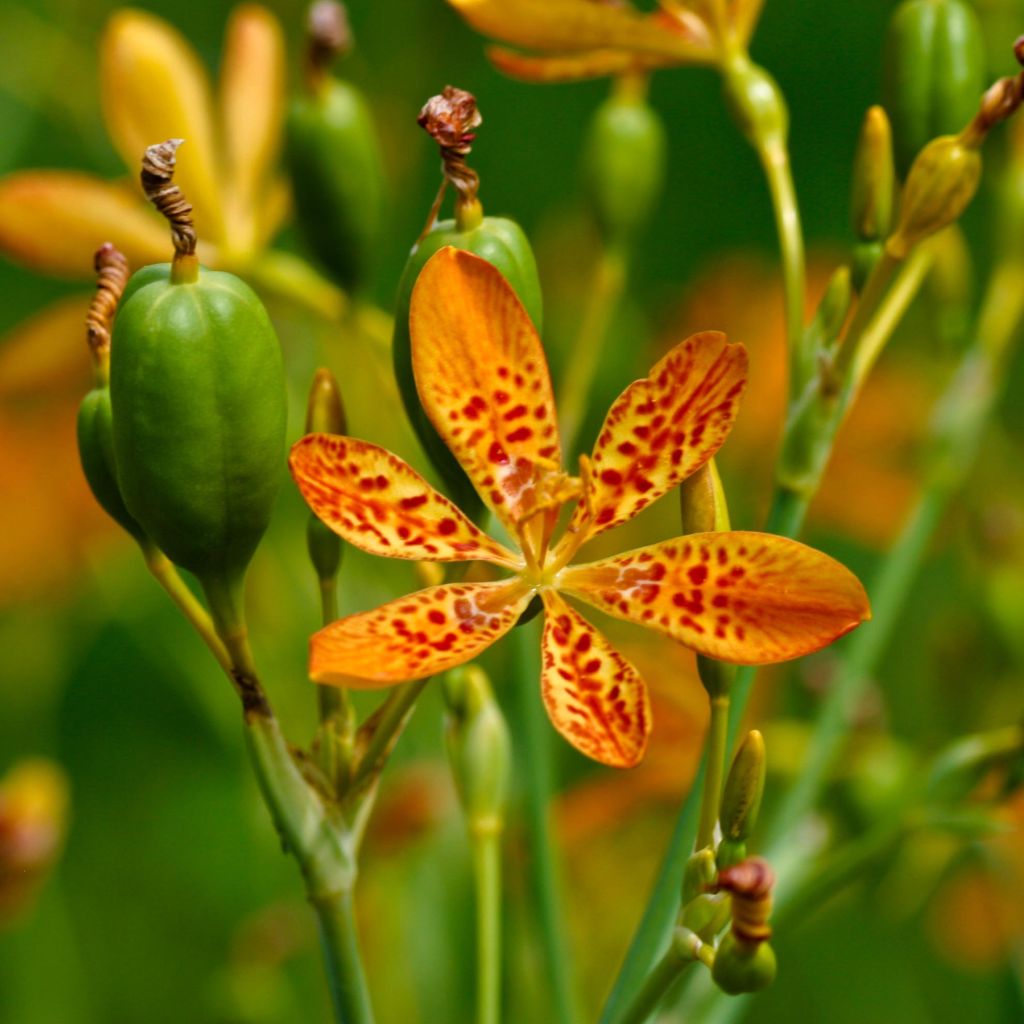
column 170, row 579
column 535, row 768
column 339, row 939
column 605, row 292
column 662, row 977
column 383, row 729
column 774, row 157
column 716, row 745
column 486, row 844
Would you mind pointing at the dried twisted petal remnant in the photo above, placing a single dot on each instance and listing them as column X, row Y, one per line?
column 112, row 270
column 451, row 119
column 158, row 184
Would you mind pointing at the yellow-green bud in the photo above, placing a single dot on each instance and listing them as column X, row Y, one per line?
column 740, row 967
column 940, row 186
column 741, row 797
column 702, row 505
column 479, row 748
column 624, row 163
column 756, row 104
column 699, row 873
column 325, row 414
column 874, row 178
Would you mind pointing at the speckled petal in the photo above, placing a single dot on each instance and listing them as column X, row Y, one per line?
column 483, row 380
column 430, row 631
column 661, row 429
column 594, row 697
column 749, row 598
column 380, row 504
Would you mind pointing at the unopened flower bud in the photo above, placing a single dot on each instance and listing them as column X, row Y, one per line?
column 874, row 178
column 624, row 164
column 325, row 414
column 479, row 748
column 741, row 797
column 739, row 968
column 940, row 186
column 702, row 504
column 744, row 961
column 699, row 873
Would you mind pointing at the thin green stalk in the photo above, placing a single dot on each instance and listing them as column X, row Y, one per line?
column 713, row 778
column 605, row 293
column 350, row 996
column 535, row 770
column 774, row 159
column 384, row 728
column 486, row 844
column 662, row 977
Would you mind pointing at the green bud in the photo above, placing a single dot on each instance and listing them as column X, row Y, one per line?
column 741, row 797
column 479, row 748
column 325, row 414
column 756, row 104
column 624, row 164
column 706, row 915
column 740, row 967
column 940, row 186
column 874, row 178
column 730, row 852
column 933, row 72
column 702, row 504
column 865, row 256
column 699, row 873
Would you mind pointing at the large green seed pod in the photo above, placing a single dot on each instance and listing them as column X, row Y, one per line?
column 96, row 452
column 336, row 171
column 933, row 72
column 624, row 164
column 198, row 400
column 499, row 241
column 333, row 156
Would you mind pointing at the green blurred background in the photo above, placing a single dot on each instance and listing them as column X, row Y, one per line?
column 171, row 900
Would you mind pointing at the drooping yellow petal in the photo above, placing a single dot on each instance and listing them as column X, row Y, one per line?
column 154, row 88
column 484, row 383
column 573, row 25
column 46, row 354
column 749, row 598
column 378, row 503
column 54, row 221
column 594, row 697
column 430, row 631
column 573, row 67
column 744, row 14
column 252, row 89
column 661, row 429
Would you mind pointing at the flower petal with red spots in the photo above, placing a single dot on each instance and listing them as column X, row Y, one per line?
column 484, row 383
column 661, row 429
column 594, row 697
column 749, row 598
column 380, row 504
column 430, row 631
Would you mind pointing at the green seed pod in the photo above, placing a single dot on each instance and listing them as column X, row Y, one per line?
column 96, row 452
column 479, row 748
column 740, row 967
column 940, row 186
column 741, row 796
column 450, row 118
column 334, row 160
column 624, row 164
column 933, row 72
column 198, row 399
column 324, row 415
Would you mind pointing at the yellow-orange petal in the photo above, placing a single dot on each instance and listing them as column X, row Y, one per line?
column 46, row 355
column 154, row 88
column 430, row 631
column 572, row 67
column 252, row 91
column 54, row 221
column 744, row 14
column 574, row 25
column 661, row 429
column 380, row 504
column 483, row 381
column 593, row 695
column 749, row 598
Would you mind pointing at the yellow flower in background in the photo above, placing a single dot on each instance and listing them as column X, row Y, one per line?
column 575, row 39
column 154, row 87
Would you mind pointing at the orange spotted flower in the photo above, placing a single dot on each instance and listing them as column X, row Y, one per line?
column 483, row 381
column 577, row 39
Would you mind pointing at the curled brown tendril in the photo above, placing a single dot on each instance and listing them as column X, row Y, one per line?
column 158, row 184
column 328, row 37
column 1000, row 101
column 451, row 120
column 112, row 275
column 750, row 885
